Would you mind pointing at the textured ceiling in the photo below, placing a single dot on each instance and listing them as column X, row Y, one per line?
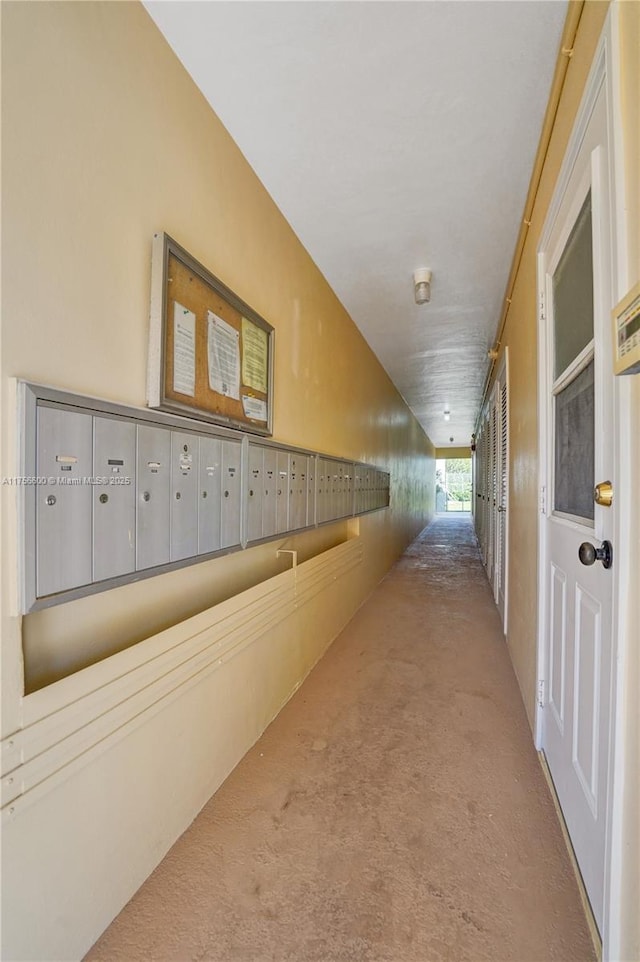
column 392, row 135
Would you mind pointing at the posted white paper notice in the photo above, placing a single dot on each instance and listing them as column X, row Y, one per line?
column 223, row 347
column 254, row 408
column 184, row 350
column 254, row 356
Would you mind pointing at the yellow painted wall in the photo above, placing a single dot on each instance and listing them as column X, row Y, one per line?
column 453, row 452
column 107, row 140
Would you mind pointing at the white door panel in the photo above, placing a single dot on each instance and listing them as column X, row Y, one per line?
column 557, row 667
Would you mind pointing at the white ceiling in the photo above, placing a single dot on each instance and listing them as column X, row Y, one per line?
column 392, row 135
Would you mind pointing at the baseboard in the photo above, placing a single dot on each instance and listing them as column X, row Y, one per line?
column 584, row 898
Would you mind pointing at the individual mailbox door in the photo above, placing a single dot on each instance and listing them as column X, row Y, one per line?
column 357, row 481
column 336, row 490
column 322, row 490
column 153, row 489
column 293, row 492
column 368, row 483
column 330, row 484
column 338, row 504
column 370, row 487
column 63, row 504
column 311, row 490
column 231, row 494
column 184, row 495
column 114, row 499
column 349, row 488
column 210, row 472
column 365, row 489
column 270, row 477
column 298, row 491
column 340, row 497
column 381, row 489
column 282, row 492
column 334, row 495
column 327, row 473
column 302, row 472
column 255, row 492
column 344, row 490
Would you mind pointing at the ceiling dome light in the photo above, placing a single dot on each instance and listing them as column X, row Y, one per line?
column 422, row 285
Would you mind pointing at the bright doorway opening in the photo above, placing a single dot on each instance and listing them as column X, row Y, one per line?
column 453, row 484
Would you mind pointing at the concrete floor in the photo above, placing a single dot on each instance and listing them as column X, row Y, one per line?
column 395, row 811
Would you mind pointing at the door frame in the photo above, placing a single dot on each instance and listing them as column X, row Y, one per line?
column 605, row 71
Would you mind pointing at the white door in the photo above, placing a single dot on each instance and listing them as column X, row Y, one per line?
column 501, row 493
column 575, row 266
column 491, row 488
column 483, row 484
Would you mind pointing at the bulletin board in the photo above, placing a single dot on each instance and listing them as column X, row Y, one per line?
column 210, row 354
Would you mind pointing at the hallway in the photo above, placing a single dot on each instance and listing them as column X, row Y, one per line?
column 395, row 810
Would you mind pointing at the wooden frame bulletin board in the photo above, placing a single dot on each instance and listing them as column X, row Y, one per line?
column 210, row 354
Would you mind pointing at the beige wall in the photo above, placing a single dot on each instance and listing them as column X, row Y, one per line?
column 105, row 141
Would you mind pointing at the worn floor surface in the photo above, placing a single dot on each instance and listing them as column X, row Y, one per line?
column 395, row 811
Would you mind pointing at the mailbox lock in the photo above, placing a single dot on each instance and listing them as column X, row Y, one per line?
column 103, row 498
column 178, row 495
column 204, row 494
column 146, row 496
column 51, row 499
column 251, row 493
column 226, row 494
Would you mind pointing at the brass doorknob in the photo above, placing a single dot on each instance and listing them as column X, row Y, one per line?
column 603, row 494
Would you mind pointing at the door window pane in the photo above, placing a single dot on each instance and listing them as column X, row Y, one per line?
column 573, row 293
column 574, row 439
